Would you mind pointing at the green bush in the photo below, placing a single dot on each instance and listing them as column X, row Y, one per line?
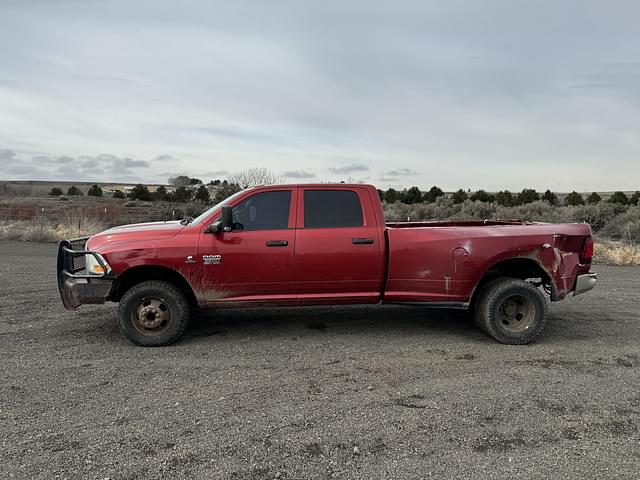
column 202, row 194
column 528, row 195
column 391, row 195
column 160, row 193
column 574, row 198
column 459, row 196
column 482, row 196
column 140, row 192
column 432, row 194
column 181, row 194
column 506, row 198
column 412, row 195
column 550, row 197
column 619, row 197
column 594, row 198
column 95, row 191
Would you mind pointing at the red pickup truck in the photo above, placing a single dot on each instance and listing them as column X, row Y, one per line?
column 324, row 244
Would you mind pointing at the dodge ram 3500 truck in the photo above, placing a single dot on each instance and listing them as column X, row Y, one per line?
column 286, row 245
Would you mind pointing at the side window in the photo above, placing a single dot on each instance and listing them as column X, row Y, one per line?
column 263, row 211
column 332, row 209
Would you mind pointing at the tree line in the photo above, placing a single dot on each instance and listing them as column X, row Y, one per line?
column 503, row 197
column 191, row 191
column 188, row 189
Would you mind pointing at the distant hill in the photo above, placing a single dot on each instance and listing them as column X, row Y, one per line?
column 41, row 188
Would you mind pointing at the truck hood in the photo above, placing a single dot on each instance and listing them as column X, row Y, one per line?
column 135, row 232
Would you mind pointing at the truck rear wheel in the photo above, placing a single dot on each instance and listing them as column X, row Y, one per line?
column 511, row 311
column 153, row 314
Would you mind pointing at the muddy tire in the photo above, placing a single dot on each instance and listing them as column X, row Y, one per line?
column 153, row 314
column 477, row 319
column 511, row 311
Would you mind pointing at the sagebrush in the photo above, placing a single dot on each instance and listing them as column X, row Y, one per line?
column 610, row 220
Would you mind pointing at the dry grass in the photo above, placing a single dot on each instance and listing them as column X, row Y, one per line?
column 31, row 231
column 616, row 253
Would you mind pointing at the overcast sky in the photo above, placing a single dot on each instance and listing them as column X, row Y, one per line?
column 473, row 94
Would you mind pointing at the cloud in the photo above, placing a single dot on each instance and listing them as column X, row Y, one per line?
column 6, row 154
column 354, row 167
column 65, row 167
column 298, row 174
column 24, row 171
column 164, row 158
column 401, row 172
column 128, row 163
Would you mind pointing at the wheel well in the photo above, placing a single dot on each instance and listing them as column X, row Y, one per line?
column 522, row 268
column 136, row 275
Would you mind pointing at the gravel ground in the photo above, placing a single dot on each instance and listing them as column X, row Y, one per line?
column 358, row 392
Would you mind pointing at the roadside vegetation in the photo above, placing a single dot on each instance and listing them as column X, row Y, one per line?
column 616, row 253
column 28, row 231
column 615, row 220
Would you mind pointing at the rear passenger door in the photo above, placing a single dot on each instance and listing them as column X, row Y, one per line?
column 339, row 253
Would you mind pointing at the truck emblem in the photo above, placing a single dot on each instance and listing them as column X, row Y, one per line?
column 189, row 259
column 211, row 259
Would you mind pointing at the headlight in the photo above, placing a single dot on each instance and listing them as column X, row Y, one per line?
column 93, row 266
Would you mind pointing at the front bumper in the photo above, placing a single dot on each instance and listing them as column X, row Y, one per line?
column 76, row 286
column 585, row 282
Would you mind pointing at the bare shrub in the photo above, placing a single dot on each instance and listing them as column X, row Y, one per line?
column 624, row 227
column 254, row 176
column 537, row 211
column 475, row 209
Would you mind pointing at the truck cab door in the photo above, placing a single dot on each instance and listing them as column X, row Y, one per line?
column 254, row 262
column 339, row 246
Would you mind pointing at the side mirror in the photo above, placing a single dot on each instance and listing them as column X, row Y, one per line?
column 227, row 218
column 225, row 224
column 215, row 227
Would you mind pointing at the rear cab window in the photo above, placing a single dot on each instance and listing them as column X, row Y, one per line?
column 332, row 209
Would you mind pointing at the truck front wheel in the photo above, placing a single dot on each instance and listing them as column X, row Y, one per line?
column 511, row 311
column 153, row 314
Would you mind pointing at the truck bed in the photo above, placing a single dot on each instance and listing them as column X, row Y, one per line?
column 444, row 261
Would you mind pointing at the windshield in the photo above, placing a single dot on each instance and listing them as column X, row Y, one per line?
column 200, row 218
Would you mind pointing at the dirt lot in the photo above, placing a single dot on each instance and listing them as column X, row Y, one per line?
column 385, row 392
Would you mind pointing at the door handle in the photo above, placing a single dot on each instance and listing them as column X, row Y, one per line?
column 362, row 241
column 276, row 243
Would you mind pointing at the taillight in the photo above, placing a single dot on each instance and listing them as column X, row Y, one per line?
column 587, row 251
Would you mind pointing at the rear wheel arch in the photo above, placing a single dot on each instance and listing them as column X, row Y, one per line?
column 142, row 273
column 521, row 268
